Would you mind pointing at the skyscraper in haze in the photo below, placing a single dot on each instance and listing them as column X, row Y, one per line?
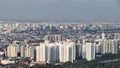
column 67, row 52
column 12, row 51
column 90, row 51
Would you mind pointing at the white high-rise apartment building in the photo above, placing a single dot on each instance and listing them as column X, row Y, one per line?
column 12, row 51
column 41, row 54
column 67, row 52
column 90, row 51
column 52, row 52
column 97, row 44
column 114, row 46
column 47, row 52
column 22, row 51
column 84, row 50
column 103, row 35
column 29, row 51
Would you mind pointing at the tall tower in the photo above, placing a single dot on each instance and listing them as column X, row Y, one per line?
column 103, row 35
column 47, row 52
column 29, row 51
column 52, row 52
column 12, row 51
column 22, row 51
column 67, row 52
column 90, row 51
column 83, row 49
column 41, row 53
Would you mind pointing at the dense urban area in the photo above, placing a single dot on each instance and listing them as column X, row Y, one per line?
column 59, row 45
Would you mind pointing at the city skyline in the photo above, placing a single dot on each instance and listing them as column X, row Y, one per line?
column 59, row 33
column 56, row 44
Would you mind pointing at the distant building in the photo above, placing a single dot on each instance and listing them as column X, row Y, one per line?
column 114, row 46
column 78, row 49
column 53, row 38
column 30, row 51
column 47, row 52
column 67, row 52
column 83, row 49
column 52, row 52
column 109, row 46
column 97, row 44
column 98, row 48
column 41, row 54
column 103, row 35
column 22, row 51
column 12, row 51
column 90, row 51
column 117, row 36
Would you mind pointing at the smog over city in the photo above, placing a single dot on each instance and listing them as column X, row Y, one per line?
column 60, row 10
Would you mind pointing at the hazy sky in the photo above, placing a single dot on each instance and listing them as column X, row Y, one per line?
column 60, row 10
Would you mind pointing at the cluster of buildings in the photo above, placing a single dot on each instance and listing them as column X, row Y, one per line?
column 88, row 51
column 44, row 52
column 64, row 51
column 100, row 46
column 13, row 27
column 57, row 42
